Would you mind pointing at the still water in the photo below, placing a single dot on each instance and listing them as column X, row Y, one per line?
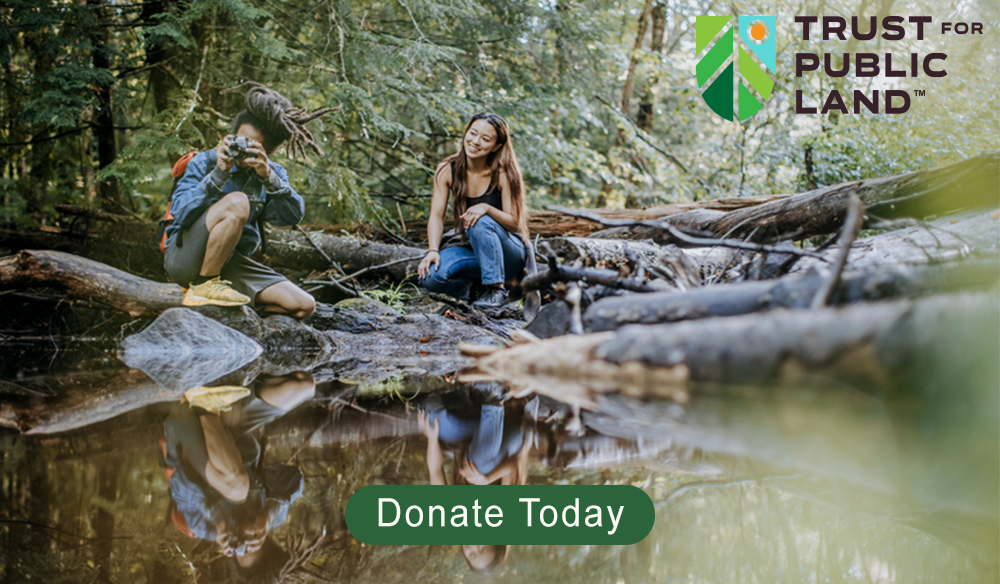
column 816, row 484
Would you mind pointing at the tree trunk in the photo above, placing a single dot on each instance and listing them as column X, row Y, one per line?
column 669, row 263
column 879, row 347
column 790, row 292
column 291, row 249
column 640, row 35
column 644, row 117
column 552, row 224
column 967, row 184
column 85, row 279
column 104, row 126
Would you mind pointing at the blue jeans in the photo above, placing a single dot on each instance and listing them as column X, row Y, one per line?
column 496, row 256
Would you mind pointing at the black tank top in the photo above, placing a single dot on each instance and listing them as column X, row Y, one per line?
column 491, row 197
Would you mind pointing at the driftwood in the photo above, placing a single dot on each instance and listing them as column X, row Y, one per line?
column 876, row 346
column 795, row 291
column 967, row 184
column 944, row 239
column 669, row 263
column 85, row 279
column 360, row 342
column 292, row 250
column 552, row 224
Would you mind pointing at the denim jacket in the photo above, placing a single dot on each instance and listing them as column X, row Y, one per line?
column 203, row 184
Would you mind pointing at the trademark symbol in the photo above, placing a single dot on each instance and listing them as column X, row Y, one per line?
column 919, row 92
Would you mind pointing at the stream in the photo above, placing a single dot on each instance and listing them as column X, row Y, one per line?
column 811, row 484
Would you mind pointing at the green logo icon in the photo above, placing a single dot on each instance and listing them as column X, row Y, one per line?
column 736, row 49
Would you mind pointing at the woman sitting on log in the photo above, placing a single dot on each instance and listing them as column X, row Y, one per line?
column 490, row 243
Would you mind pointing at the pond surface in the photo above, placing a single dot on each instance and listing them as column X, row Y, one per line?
column 817, row 484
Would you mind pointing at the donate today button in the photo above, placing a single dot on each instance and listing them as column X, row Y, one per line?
column 500, row 515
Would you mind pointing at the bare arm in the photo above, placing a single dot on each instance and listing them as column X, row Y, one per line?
column 435, row 223
column 224, row 472
column 435, row 460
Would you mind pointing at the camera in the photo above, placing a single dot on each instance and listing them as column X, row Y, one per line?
column 238, row 149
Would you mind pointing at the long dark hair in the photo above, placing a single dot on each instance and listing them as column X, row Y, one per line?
column 502, row 160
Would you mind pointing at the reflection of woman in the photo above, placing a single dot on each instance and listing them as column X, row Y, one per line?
column 220, row 490
column 491, row 217
column 492, row 449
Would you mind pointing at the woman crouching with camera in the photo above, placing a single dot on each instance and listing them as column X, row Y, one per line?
column 490, row 244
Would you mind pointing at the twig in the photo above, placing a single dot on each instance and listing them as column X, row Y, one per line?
column 682, row 237
column 197, row 87
column 378, row 267
column 318, row 248
column 557, row 273
column 679, row 491
column 402, row 223
column 852, row 224
column 574, row 296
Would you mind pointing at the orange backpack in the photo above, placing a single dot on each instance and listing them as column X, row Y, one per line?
column 180, row 167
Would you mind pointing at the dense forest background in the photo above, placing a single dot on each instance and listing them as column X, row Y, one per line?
column 100, row 97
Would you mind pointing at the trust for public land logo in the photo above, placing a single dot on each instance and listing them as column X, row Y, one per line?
column 756, row 38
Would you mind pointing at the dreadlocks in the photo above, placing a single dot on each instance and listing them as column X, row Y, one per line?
column 281, row 118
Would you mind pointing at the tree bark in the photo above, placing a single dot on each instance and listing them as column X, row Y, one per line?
column 640, row 36
column 291, row 249
column 967, row 184
column 622, row 255
column 644, row 117
column 104, row 127
column 790, row 292
column 552, row 224
column 879, row 347
column 81, row 278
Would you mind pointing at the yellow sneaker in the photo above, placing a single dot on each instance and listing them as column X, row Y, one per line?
column 215, row 399
column 216, row 292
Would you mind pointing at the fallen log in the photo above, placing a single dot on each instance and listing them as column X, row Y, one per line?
column 551, row 224
column 796, row 291
column 85, row 279
column 874, row 346
column 967, row 184
column 293, row 250
column 669, row 263
column 941, row 240
column 385, row 344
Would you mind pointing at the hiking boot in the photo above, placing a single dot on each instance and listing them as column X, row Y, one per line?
column 494, row 298
column 215, row 399
column 216, row 292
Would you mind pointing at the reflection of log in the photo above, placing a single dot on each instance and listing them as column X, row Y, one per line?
column 967, row 184
column 84, row 401
column 789, row 292
column 291, row 249
column 868, row 345
column 81, row 278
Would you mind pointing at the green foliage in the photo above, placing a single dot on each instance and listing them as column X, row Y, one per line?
column 409, row 73
column 393, row 295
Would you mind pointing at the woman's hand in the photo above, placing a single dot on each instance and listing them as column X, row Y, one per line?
column 472, row 474
column 424, row 269
column 473, row 213
column 430, row 429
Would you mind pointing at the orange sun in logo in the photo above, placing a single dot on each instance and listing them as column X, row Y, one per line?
column 757, row 32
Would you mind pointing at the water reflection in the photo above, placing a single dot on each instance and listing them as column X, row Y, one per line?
column 221, row 489
column 749, row 486
column 491, row 444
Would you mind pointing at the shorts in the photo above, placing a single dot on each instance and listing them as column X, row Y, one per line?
column 183, row 263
